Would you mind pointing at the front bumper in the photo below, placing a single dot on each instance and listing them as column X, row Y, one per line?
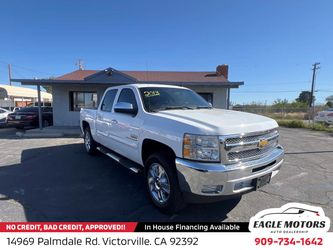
column 217, row 180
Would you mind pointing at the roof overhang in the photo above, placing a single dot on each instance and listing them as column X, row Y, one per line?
column 53, row 82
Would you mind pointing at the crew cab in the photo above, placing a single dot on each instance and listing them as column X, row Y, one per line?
column 187, row 150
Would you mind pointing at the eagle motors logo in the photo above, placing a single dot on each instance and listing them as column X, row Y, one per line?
column 290, row 218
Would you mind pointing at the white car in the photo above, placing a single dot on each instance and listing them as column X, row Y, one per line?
column 187, row 150
column 325, row 116
column 3, row 116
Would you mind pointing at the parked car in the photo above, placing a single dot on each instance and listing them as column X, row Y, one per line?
column 325, row 116
column 28, row 117
column 16, row 109
column 187, row 150
column 3, row 116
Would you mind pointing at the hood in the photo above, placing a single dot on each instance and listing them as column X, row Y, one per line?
column 220, row 121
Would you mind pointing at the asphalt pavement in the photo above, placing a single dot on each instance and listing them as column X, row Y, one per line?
column 53, row 179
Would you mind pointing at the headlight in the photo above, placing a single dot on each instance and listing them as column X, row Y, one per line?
column 201, row 147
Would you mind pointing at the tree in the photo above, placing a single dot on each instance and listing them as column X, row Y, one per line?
column 329, row 100
column 305, row 97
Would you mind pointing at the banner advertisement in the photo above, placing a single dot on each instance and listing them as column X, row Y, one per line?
column 291, row 226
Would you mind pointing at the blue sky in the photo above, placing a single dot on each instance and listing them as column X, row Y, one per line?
column 270, row 45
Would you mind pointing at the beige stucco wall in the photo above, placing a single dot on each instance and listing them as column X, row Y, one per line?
column 219, row 94
column 62, row 116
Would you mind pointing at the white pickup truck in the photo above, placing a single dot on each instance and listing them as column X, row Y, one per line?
column 187, row 150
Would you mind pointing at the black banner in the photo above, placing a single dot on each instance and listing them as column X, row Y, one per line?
column 192, row 227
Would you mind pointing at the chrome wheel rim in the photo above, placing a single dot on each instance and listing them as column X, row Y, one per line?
column 159, row 184
column 87, row 141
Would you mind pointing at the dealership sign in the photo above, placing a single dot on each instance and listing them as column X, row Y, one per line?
column 290, row 218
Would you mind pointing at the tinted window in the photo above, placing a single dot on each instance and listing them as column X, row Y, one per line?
column 127, row 95
column 108, row 100
column 2, row 111
column 155, row 99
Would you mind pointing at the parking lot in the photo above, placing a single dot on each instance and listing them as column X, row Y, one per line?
column 55, row 180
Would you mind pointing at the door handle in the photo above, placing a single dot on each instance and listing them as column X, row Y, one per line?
column 114, row 121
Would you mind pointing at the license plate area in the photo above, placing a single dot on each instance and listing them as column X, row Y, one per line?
column 17, row 117
column 263, row 180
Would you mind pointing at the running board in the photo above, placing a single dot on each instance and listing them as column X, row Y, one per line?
column 136, row 168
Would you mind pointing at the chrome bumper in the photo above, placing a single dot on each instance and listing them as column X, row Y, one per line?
column 215, row 179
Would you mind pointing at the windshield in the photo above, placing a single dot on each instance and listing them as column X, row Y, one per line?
column 160, row 98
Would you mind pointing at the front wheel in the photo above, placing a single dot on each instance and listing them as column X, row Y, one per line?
column 162, row 183
column 89, row 143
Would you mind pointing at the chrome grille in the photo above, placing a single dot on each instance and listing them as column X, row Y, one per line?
column 246, row 147
column 257, row 137
column 247, row 153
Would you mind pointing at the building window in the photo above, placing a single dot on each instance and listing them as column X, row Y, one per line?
column 207, row 96
column 80, row 100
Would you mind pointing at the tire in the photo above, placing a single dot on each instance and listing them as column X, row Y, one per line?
column 89, row 143
column 162, row 183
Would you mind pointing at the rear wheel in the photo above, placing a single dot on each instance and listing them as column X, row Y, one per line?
column 89, row 143
column 162, row 183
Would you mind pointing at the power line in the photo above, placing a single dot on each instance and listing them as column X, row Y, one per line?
column 271, row 91
column 28, row 69
column 278, row 91
column 278, row 83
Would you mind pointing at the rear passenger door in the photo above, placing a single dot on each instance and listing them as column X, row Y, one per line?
column 104, row 118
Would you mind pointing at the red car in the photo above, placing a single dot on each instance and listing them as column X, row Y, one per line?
column 28, row 117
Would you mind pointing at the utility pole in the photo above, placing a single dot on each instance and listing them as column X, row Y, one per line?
column 315, row 66
column 10, row 74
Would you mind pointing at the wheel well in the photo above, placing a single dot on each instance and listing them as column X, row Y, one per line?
column 150, row 146
column 85, row 125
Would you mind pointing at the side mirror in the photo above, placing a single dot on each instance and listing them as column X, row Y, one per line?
column 210, row 105
column 125, row 107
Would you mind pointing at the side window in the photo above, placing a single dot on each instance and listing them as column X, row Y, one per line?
column 127, row 95
column 2, row 111
column 108, row 100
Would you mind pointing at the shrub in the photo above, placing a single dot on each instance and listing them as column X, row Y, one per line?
column 291, row 123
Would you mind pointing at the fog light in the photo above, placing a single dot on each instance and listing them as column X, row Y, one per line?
column 243, row 184
column 211, row 189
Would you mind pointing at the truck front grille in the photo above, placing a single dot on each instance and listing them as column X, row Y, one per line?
column 239, row 148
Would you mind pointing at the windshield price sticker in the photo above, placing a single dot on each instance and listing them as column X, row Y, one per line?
column 151, row 93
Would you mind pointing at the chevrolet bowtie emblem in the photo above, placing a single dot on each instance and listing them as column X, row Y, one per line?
column 262, row 143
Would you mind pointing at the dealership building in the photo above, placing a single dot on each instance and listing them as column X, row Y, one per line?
column 85, row 88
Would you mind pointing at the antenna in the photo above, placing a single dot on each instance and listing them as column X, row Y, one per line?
column 79, row 63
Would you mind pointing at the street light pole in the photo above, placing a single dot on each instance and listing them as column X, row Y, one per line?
column 39, row 108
